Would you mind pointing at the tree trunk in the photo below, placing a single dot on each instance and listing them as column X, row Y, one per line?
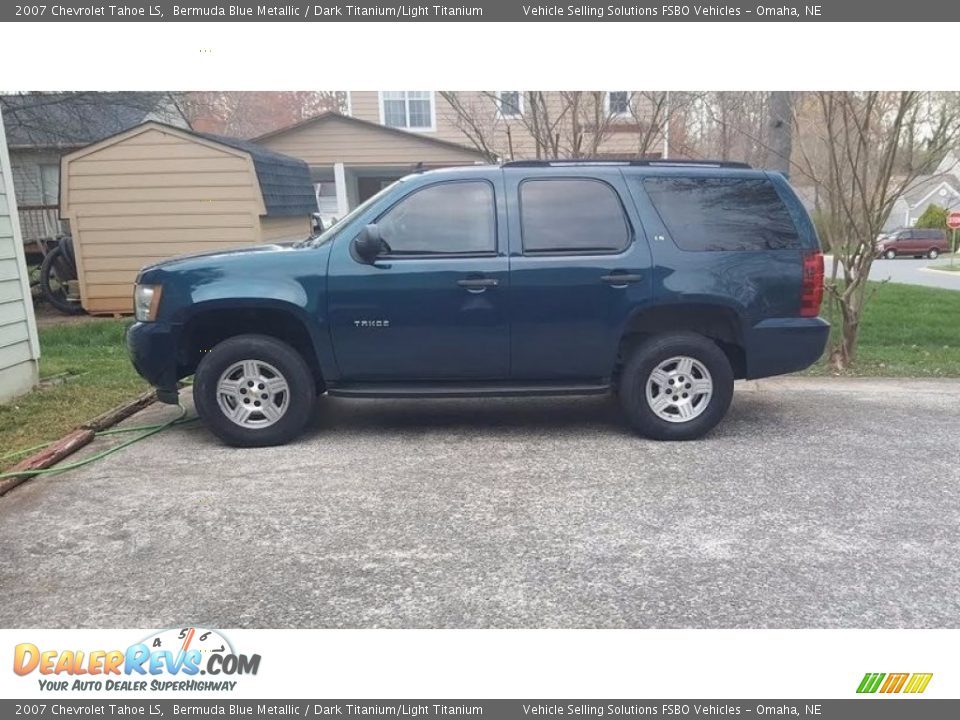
column 779, row 138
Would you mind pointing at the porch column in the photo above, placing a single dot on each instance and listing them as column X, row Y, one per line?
column 340, row 179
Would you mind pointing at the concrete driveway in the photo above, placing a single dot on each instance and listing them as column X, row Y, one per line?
column 817, row 503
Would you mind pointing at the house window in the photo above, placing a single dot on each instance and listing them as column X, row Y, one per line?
column 510, row 103
column 50, row 184
column 407, row 109
column 618, row 102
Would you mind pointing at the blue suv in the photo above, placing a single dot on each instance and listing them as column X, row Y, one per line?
column 659, row 281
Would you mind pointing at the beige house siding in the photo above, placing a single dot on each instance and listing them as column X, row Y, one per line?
column 279, row 229
column 149, row 194
column 366, row 105
column 621, row 135
column 19, row 346
column 330, row 140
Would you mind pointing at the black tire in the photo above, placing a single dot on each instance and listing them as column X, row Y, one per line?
column 890, row 254
column 646, row 357
column 66, row 242
column 56, row 268
column 933, row 254
column 262, row 348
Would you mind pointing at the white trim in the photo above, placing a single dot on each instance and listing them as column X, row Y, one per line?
column 433, row 111
column 340, row 178
column 606, row 104
column 349, row 103
column 18, row 253
column 513, row 116
column 935, row 189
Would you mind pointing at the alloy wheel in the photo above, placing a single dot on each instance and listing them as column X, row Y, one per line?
column 253, row 394
column 679, row 389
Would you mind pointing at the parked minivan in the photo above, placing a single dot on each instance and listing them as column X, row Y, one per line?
column 914, row 242
column 659, row 281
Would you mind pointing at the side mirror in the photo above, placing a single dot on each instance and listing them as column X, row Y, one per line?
column 368, row 244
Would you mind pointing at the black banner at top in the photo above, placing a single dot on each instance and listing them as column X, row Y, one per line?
column 480, row 11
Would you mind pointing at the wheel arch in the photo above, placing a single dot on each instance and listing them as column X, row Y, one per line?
column 719, row 322
column 214, row 321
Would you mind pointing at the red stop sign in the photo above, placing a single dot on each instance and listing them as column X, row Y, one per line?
column 953, row 221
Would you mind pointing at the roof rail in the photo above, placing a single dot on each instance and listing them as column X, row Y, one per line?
column 650, row 162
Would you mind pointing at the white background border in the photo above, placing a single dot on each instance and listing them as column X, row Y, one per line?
column 486, row 664
column 544, row 56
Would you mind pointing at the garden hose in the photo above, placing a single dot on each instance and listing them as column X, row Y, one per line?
column 146, row 431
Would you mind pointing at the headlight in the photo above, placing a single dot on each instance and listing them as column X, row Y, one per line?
column 146, row 300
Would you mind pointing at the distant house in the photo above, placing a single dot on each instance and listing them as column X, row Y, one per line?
column 352, row 159
column 42, row 127
column 615, row 123
column 386, row 134
column 19, row 347
column 940, row 188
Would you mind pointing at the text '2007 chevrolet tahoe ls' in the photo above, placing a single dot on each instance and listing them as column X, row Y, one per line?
column 660, row 281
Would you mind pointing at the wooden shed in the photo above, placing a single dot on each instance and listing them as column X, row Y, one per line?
column 156, row 191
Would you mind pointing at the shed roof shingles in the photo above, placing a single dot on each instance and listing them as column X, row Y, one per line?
column 284, row 181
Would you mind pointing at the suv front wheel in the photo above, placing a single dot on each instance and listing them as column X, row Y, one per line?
column 254, row 391
column 676, row 386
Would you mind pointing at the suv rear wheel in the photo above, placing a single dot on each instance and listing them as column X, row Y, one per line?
column 933, row 254
column 676, row 386
column 254, row 391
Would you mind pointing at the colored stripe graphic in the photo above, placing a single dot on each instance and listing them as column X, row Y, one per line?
column 918, row 683
column 894, row 682
column 870, row 682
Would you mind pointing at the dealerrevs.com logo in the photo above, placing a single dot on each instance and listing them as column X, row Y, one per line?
column 165, row 660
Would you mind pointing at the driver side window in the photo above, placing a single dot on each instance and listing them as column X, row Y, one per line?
column 447, row 218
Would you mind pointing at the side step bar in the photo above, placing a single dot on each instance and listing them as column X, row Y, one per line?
column 415, row 390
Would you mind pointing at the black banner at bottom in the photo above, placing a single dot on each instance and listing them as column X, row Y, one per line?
column 868, row 708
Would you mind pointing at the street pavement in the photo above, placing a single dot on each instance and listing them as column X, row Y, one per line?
column 913, row 272
column 816, row 503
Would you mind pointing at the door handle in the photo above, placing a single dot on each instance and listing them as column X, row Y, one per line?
column 478, row 285
column 620, row 279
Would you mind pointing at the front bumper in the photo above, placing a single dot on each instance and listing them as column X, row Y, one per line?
column 153, row 351
column 785, row 345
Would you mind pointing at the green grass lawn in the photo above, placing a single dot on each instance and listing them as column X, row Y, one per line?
column 906, row 331
column 948, row 268
column 84, row 370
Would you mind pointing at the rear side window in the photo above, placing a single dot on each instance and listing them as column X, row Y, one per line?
column 571, row 215
column 722, row 213
column 444, row 219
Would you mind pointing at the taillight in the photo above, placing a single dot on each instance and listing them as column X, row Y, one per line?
column 811, row 292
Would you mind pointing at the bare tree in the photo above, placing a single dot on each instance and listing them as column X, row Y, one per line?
column 779, row 138
column 248, row 114
column 475, row 117
column 565, row 124
column 864, row 153
column 69, row 119
column 651, row 112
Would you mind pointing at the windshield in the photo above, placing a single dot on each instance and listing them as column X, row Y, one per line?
column 334, row 230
